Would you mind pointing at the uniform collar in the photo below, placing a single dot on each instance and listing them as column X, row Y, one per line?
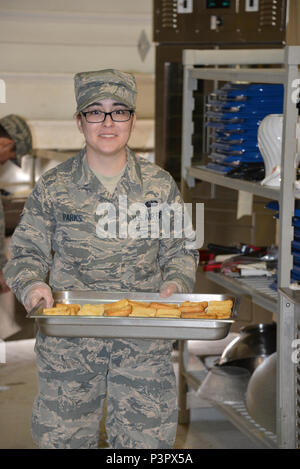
column 84, row 177
column 132, row 180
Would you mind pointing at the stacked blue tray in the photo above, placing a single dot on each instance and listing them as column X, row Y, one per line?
column 295, row 273
column 296, row 246
column 233, row 114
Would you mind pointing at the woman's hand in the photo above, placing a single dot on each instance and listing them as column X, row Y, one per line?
column 36, row 293
column 167, row 289
column 3, row 287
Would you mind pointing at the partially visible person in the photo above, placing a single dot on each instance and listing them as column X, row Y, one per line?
column 15, row 142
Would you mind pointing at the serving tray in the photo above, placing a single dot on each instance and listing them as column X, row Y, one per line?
column 133, row 327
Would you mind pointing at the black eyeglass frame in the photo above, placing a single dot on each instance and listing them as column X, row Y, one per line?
column 131, row 111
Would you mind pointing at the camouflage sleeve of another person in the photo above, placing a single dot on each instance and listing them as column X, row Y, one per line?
column 178, row 261
column 30, row 247
column 2, row 237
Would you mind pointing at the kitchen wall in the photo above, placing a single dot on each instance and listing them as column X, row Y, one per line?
column 44, row 43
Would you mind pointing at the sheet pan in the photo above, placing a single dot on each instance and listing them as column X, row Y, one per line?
column 133, row 327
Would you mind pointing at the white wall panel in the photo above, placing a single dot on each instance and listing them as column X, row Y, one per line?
column 60, row 42
column 71, row 59
column 51, row 96
column 44, row 43
column 88, row 6
column 107, row 30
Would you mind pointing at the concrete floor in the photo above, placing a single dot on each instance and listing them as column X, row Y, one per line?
column 208, row 428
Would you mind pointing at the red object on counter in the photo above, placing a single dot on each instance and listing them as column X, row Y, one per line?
column 206, row 255
column 214, row 266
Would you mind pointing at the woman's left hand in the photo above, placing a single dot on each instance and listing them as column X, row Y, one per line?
column 3, row 287
column 168, row 289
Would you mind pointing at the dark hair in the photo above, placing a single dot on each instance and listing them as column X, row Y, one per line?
column 3, row 133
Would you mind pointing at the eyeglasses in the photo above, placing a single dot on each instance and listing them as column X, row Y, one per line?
column 121, row 115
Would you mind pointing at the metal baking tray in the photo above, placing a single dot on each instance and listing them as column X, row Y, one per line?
column 133, row 327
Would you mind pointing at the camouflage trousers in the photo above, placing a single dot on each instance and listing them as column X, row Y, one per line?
column 74, row 377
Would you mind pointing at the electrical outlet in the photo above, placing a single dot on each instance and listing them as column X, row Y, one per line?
column 251, row 5
column 184, row 6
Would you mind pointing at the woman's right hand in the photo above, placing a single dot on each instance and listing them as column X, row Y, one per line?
column 36, row 293
column 3, row 287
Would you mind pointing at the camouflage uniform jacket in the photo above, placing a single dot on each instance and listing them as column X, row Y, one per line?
column 57, row 234
column 2, row 237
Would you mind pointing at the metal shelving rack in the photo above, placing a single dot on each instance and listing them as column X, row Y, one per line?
column 258, row 288
column 224, row 65
column 200, row 172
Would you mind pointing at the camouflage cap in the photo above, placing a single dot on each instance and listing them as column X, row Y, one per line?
column 94, row 86
column 19, row 131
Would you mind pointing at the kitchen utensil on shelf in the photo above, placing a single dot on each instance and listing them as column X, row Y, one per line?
column 254, row 344
column 225, row 384
column 261, row 394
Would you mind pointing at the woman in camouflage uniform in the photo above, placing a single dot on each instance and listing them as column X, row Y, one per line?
column 59, row 234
